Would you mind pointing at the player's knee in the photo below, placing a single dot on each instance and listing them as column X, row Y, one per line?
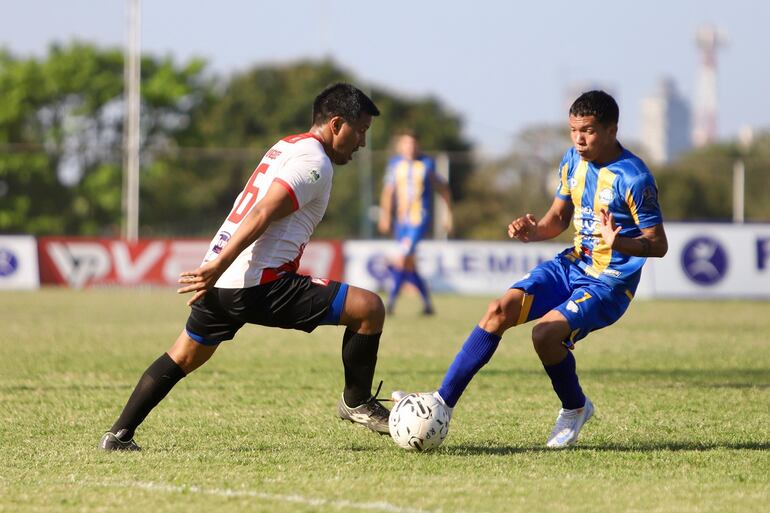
column 373, row 309
column 544, row 337
column 496, row 317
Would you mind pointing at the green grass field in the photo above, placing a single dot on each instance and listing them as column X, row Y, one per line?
column 682, row 391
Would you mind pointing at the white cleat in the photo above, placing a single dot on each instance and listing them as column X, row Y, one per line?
column 568, row 426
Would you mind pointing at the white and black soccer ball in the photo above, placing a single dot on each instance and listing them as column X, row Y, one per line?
column 419, row 422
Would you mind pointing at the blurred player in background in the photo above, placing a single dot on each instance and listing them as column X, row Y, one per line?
column 410, row 179
column 249, row 274
column 612, row 199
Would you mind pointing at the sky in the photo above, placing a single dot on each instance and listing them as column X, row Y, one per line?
column 500, row 65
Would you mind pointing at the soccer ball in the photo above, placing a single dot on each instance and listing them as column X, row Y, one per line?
column 419, row 422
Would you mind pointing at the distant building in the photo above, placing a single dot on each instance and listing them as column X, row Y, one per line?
column 665, row 123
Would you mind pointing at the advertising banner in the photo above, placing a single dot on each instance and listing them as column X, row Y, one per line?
column 18, row 263
column 707, row 261
column 704, row 261
column 85, row 262
column 449, row 266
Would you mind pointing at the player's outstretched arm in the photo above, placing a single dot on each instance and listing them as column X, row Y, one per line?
column 651, row 243
column 386, row 209
column 276, row 204
column 528, row 229
column 442, row 188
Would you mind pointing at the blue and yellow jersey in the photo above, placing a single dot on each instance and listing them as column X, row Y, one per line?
column 624, row 187
column 412, row 188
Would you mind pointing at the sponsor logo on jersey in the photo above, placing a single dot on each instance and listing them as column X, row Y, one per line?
column 612, row 272
column 572, row 307
column 8, row 262
column 222, row 239
column 273, row 154
column 314, row 175
column 572, row 182
column 606, row 196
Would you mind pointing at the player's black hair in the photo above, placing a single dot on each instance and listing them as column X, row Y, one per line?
column 598, row 104
column 344, row 100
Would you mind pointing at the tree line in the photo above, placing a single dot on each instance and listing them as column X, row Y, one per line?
column 61, row 133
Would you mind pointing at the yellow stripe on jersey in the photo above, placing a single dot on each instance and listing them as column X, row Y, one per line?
column 577, row 199
column 632, row 206
column 602, row 253
column 409, row 190
column 564, row 188
column 526, row 305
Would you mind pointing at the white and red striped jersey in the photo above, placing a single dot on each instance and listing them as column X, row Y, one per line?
column 299, row 164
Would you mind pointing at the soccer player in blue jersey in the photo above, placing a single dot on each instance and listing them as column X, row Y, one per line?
column 410, row 179
column 611, row 198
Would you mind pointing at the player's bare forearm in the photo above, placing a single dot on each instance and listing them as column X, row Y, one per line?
column 386, row 209
column 204, row 277
column 253, row 226
column 551, row 225
column 528, row 229
column 276, row 204
column 652, row 243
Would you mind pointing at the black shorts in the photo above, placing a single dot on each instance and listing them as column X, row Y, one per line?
column 293, row 301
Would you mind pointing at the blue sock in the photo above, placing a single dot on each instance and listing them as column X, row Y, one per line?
column 475, row 353
column 565, row 383
column 398, row 279
column 418, row 282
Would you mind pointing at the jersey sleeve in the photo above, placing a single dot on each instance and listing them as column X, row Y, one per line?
column 563, row 190
column 305, row 177
column 642, row 200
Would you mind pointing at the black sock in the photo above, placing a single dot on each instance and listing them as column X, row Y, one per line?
column 359, row 357
column 155, row 383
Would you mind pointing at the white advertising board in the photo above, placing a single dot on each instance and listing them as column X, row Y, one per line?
column 449, row 266
column 18, row 263
column 709, row 261
column 704, row 261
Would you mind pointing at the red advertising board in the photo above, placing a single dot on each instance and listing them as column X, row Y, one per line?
column 84, row 262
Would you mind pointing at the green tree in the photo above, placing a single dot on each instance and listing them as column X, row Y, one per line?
column 228, row 135
column 61, row 130
column 522, row 182
column 699, row 185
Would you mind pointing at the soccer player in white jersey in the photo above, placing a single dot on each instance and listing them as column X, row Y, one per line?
column 249, row 273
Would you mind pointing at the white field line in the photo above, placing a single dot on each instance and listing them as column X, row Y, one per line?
column 294, row 498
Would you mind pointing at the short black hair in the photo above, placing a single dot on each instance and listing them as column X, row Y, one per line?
column 598, row 104
column 344, row 100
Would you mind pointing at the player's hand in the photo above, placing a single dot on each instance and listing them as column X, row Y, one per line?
column 199, row 281
column 608, row 228
column 384, row 226
column 448, row 223
column 523, row 228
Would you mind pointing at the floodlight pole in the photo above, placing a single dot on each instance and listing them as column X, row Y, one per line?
column 131, row 78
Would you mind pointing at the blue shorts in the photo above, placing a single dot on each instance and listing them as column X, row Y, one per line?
column 408, row 235
column 587, row 303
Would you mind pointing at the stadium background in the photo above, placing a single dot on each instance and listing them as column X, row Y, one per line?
column 683, row 382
